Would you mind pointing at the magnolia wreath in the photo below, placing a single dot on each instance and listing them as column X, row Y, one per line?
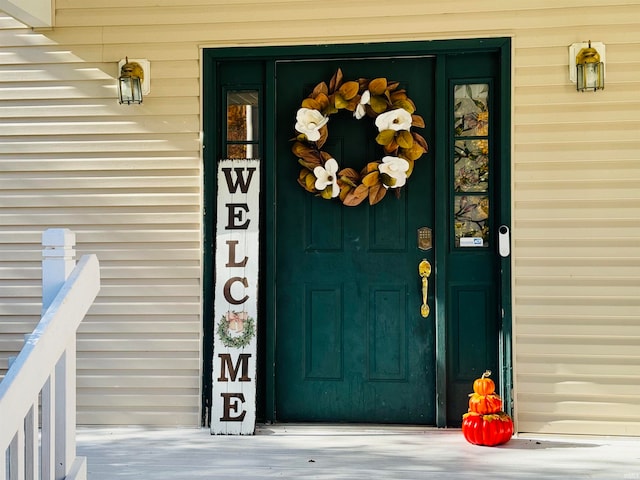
column 393, row 113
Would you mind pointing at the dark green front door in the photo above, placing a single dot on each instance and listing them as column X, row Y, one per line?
column 351, row 343
column 342, row 337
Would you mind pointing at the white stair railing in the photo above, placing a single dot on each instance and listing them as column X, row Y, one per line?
column 44, row 372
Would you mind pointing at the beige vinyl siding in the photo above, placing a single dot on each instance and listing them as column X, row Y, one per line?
column 576, row 170
column 128, row 181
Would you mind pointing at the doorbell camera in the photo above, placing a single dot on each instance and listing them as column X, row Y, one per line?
column 504, row 242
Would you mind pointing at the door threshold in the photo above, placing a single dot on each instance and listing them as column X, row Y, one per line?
column 342, row 429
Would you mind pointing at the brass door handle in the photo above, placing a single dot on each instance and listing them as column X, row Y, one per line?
column 424, row 269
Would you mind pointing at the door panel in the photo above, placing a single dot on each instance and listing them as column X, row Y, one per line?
column 350, row 342
column 472, row 307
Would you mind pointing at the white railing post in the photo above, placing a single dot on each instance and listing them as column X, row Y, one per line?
column 45, row 371
column 58, row 261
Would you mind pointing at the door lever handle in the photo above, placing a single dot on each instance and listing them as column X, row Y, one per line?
column 424, row 269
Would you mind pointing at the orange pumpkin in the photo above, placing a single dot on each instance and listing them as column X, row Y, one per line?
column 484, row 404
column 490, row 430
column 484, row 385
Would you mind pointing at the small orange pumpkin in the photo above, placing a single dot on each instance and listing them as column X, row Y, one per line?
column 484, row 404
column 484, row 385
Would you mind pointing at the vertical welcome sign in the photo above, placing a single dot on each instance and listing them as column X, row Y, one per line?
column 233, row 406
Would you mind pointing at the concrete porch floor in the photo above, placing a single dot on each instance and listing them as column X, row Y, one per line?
column 348, row 452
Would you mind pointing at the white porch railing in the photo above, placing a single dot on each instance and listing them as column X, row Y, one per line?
column 44, row 372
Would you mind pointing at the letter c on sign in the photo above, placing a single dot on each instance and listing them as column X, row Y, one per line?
column 227, row 290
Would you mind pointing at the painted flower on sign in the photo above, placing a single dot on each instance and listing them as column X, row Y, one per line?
column 395, row 168
column 309, row 122
column 327, row 176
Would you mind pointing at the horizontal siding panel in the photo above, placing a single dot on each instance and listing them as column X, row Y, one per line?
column 589, row 386
column 100, row 126
column 135, row 382
column 87, row 108
column 437, row 5
column 613, row 425
column 160, row 162
column 78, row 144
column 164, row 416
column 125, row 362
column 568, row 114
column 303, row 15
column 593, row 407
column 135, row 327
column 100, row 200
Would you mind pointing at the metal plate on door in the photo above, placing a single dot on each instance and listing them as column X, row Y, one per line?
column 425, row 239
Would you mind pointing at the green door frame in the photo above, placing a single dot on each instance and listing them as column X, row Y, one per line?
column 213, row 145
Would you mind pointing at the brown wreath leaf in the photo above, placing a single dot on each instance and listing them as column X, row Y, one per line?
column 349, row 176
column 320, row 88
column 378, row 103
column 404, row 139
column 378, row 86
column 410, row 169
column 376, row 193
column 371, row 167
column 387, row 180
column 385, row 137
column 307, row 157
column 399, row 95
column 303, row 179
column 356, row 196
column 339, row 101
column 310, row 164
column 413, row 153
column 323, row 101
column 327, row 193
column 392, row 86
column 419, row 139
column 324, row 134
column 311, row 103
column 371, row 179
column 336, row 81
column 349, row 90
column 405, row 104
column 417, row 121
column 331, row 107
column 391, row 148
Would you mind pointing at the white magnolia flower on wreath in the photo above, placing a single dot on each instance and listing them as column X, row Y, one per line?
column 309, row 122
column 398, row 119
column 328, row 176
column 396, row 168
column 360, row 109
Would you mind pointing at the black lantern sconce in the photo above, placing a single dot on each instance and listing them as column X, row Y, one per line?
column 133, row 82
column 586, row 66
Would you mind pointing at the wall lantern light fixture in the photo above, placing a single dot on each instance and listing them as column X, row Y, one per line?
column 133, row 82
column 586, row 65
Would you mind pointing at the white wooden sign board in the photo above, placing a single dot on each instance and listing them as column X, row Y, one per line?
column 233, row 405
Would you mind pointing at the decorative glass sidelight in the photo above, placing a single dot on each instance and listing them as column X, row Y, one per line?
column 471, row 165
column 242, row 124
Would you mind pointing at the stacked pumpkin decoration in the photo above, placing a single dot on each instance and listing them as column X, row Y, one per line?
column 486, row 423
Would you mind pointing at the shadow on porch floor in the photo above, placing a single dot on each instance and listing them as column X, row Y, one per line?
column 348, row 452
